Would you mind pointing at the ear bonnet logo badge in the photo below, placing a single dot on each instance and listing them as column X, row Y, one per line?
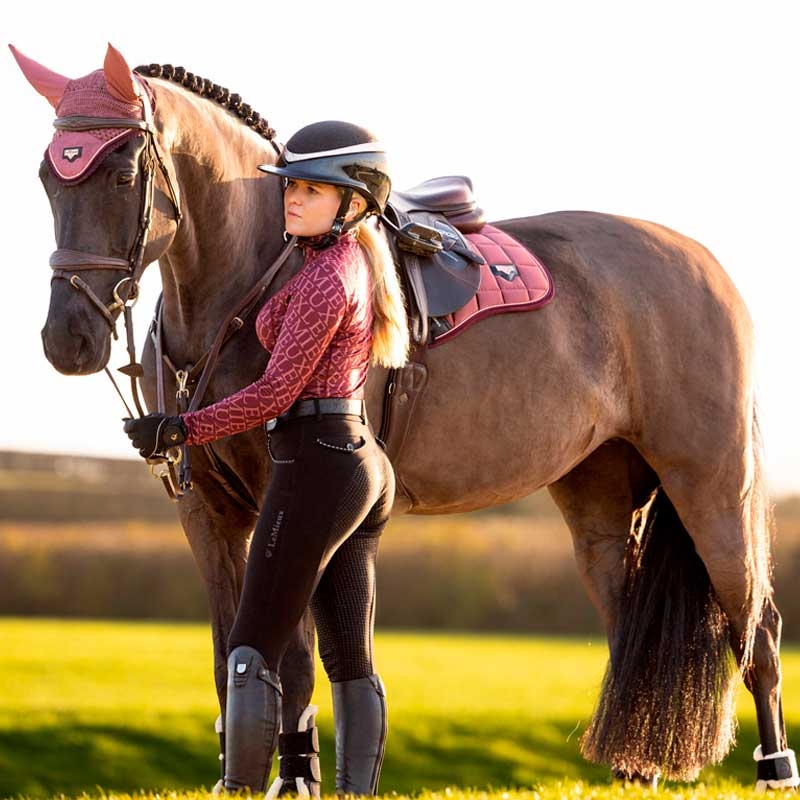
column 71, row 153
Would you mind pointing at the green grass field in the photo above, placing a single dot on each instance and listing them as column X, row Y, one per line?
column 118, row 708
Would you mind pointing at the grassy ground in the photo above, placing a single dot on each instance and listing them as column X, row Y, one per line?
column 130, row 707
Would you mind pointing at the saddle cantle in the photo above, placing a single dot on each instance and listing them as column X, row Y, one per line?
column 450, row 195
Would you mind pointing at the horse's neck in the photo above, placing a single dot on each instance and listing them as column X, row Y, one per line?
column 232, row 224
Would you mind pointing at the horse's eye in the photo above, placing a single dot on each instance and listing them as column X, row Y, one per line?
column 126, row 177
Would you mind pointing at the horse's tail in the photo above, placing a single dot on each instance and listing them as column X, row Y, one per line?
column 666, row 706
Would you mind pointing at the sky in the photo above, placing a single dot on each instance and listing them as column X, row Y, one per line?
column 683, row 113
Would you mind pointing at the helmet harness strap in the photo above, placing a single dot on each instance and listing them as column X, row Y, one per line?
column 338, row 227
column 340, row 224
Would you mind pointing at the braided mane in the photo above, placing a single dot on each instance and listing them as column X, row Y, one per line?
column 212, row 91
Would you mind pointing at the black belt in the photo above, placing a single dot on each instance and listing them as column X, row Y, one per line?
column 323, row 406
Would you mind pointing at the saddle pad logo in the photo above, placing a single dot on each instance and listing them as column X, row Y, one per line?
column 71, row 153
column 506, row 271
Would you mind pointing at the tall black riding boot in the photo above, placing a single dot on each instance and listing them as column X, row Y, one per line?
column 252, row 720
column 359, row 716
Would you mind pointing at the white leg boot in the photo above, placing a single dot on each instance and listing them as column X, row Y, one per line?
column 298, row 755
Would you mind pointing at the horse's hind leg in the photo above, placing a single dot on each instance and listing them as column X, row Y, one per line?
column 777, row 765
column 725, row 512
column 598, row 500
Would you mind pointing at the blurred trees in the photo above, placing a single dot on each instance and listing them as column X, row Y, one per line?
column 87, row 537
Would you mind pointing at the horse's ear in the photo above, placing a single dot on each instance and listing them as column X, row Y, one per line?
column 119, row 76
column 49, row 84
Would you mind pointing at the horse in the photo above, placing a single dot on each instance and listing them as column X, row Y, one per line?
column 630, row 398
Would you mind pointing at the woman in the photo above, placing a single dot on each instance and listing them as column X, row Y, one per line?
column 332, row 486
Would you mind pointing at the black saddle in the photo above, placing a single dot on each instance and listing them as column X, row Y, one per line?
column 441, row 272
column 451, row 196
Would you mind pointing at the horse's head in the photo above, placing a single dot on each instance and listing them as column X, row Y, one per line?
column 100, row 172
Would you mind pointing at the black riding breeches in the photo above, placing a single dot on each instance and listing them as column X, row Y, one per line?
column 316, row 542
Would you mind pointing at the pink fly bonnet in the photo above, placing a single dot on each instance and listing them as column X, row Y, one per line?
column 112, row 92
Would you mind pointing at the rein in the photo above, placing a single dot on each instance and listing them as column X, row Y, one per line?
column 205, row 365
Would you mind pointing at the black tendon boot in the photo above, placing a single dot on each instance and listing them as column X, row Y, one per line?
column 298, row 755
column 359, row 716
column 252, row 720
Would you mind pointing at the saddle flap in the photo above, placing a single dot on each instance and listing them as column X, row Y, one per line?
column 450, row 278
column 440, row 269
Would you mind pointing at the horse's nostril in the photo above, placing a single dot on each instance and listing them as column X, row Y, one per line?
column 76, row 329
column 72, row 350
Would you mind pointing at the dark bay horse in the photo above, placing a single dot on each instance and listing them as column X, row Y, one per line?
column 630, row 397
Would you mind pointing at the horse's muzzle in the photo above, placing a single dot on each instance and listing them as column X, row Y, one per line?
column 76, row 348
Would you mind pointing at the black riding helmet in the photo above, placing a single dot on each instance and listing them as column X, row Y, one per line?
column 342, row 154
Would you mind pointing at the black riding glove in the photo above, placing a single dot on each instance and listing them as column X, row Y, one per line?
column 154, row 434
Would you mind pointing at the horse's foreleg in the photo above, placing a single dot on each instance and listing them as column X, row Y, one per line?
column 217, row 532
column 218, row 540
column 297, row 673
column 218, row 536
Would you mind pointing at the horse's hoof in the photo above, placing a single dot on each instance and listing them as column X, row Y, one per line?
column 293, row 787
column 635, row 779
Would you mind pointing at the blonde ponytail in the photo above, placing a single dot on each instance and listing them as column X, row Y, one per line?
column 389, row 321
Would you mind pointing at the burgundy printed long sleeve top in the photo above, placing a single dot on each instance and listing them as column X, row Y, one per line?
column 318, row 330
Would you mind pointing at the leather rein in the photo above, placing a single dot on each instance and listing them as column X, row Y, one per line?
column 201, row 372
column 66, row 265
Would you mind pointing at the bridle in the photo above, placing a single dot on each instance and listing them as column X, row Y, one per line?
column 66, row 263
